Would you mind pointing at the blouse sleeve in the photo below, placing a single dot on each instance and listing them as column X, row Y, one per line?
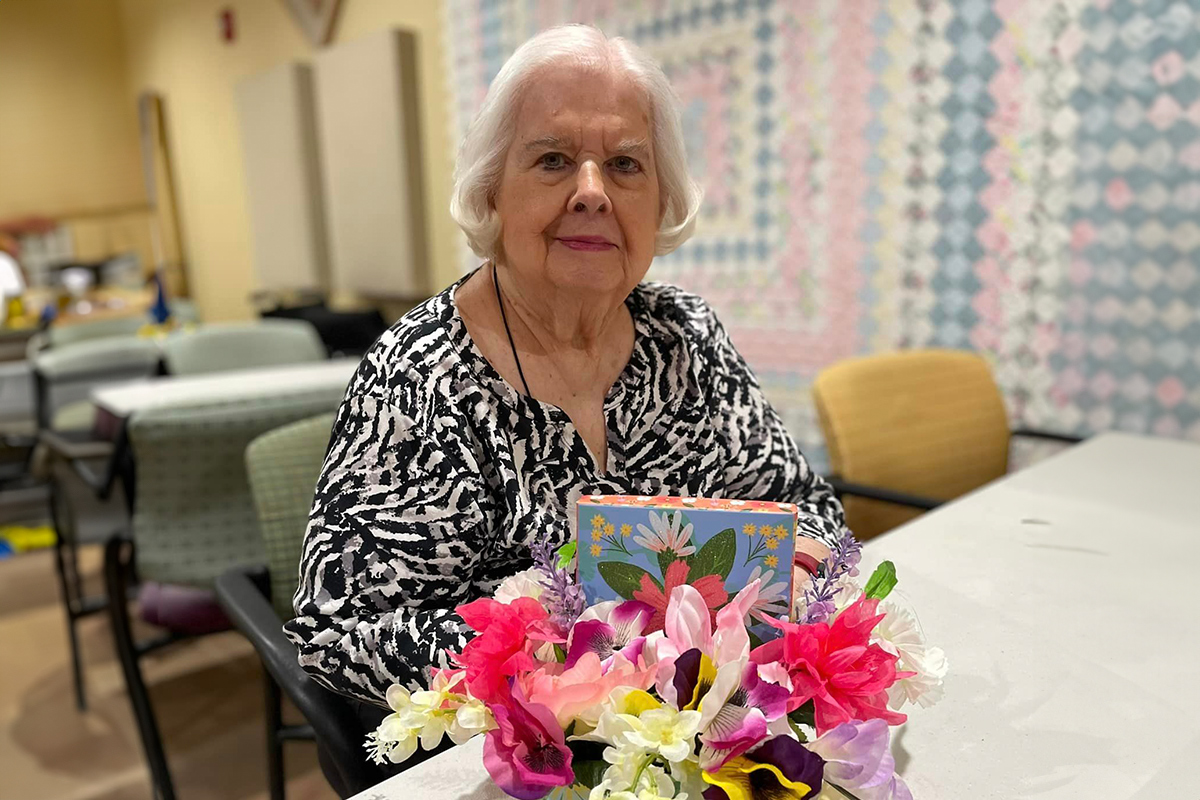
column 765, row 463
column 393, row 545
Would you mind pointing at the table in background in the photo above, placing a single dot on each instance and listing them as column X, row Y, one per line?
column 1065, row 598
column 116, row 403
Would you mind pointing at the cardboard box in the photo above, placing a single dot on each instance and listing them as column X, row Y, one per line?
column 640, row 548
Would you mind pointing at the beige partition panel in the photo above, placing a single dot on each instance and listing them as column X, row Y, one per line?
column 371, row 159
column 283, row 180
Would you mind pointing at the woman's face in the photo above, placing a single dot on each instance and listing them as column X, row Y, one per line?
column 578, row 199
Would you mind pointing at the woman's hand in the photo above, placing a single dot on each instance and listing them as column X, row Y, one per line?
column 809, row 553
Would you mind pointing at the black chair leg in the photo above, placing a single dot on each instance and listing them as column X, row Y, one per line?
column 117, row 558
column 69, row 604
column 274, row 715
column 67, row 566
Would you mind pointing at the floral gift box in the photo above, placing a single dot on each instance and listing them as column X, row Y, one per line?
column 641, row 548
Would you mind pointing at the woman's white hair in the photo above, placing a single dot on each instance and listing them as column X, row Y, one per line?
column 481, row 158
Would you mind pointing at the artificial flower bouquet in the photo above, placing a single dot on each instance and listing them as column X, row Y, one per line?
column 613, row 700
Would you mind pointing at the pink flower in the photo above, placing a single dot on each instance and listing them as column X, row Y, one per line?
column 580, row 690
column 710, row 587
column 526, row 754
column 689, row 628
column 508, row 634
column 837, row 667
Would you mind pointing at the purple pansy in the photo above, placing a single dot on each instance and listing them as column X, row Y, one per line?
column 616, row 629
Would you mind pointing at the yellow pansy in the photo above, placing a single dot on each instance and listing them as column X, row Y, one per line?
column 705, row 679
column 738, row 782
column 637, row 701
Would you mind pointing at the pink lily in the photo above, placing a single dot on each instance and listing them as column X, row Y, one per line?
column 610, row 629
column 688, row 627
column 711, row 669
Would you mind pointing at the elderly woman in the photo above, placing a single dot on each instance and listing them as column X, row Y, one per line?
column 475, row 423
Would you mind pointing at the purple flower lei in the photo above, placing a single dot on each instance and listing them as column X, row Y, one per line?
column 563, row 597
column 842, row 560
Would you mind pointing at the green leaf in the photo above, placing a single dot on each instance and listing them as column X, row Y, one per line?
column 796, row 730
column 883, row 580
column 587, row 760
column 715, row 557
column 565, row 554
column 624, row 579
column 589, row 773
column 804, row 715
column 560, row 654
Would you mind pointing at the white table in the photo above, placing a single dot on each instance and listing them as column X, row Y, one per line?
column 122, row 400
column 1065, row 598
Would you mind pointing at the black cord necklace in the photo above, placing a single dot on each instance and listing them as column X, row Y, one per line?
column 503, row 316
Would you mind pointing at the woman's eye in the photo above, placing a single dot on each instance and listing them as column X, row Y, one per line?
column 625, row 164
column 553, row 161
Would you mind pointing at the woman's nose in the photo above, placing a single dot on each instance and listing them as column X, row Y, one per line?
column 589, row 196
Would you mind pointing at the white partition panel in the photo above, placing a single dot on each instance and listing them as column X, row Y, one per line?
column 283, row 180
column 371, row 159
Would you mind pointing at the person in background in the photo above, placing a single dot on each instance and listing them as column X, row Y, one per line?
column 552, row 370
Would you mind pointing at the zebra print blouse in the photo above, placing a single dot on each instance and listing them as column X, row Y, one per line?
column 440, row 475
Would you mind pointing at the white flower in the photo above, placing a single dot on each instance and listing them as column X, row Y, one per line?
column 523, row 584
column 427, row 716
column 470, row 718
column 847, row 592
column 630, row 763
column 666, row 534
column 772, row 597
column 670, row 733
column 396, row 737
column 900, row 634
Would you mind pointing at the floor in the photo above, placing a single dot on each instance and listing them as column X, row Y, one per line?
column 207, row 695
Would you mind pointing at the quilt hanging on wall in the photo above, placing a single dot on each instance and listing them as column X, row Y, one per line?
column 1016, row 177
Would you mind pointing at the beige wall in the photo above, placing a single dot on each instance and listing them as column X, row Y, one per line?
column 68, row 129
column 173, row 48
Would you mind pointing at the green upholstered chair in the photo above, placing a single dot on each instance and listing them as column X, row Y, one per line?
column 193, row 518
column 284, row 466
column 79, row 365
column 242, row 345
column 59, row 335
column 62, row 376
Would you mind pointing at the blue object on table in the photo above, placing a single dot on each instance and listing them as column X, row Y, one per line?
column 160, row 312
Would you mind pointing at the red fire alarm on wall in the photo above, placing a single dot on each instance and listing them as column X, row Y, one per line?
column 226, row 23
